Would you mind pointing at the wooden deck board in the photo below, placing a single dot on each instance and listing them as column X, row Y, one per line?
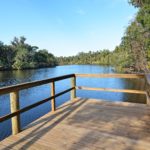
column 89, row 125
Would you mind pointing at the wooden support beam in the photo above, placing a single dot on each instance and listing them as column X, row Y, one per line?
column 6, row 117
column 14, row 105
column 14, row 93
column 73, row 85
column 53, row 107
column 147, row 84
column 112, row 90
column 111, row 75
column 26, row 85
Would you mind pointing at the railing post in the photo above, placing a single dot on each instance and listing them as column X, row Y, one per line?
column 14, row 104
column 147, row 80
column 53, row 107
column 73, row 84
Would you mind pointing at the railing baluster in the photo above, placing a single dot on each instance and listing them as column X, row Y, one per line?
column 73, row 84
column 147, row 87
column 14, row 93
column 53, row 107
column 14, row 104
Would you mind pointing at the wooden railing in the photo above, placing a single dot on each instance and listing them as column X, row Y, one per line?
column 14, row 98
column 135, row 76
column 147, row 81
column 14, row 93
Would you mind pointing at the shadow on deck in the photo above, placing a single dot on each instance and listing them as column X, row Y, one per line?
column 87, row 124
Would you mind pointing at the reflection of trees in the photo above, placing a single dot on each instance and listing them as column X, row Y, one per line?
column 136, row 84
column 14, row 77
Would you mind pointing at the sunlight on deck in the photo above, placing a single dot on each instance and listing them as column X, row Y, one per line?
column 87, row 124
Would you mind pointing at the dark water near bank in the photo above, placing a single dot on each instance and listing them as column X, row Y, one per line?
column 35, row 94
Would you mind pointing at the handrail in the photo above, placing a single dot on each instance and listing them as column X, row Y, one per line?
column 6, row 117
column 14, row 93
column 125, row 76
column 147, row 80
column 14, row 98
column 111, row 90
column 111, row 75
column 26, row 85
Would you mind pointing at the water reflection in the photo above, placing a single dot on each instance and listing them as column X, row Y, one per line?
column 32, row 95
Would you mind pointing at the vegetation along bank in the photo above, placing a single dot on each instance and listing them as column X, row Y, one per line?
column 132, row 55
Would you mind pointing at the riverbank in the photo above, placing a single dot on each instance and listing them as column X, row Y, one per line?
column 115, row 69
column 32, row 95
column 29, row 68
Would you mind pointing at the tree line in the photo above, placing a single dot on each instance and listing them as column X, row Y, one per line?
column 134, row 50
column 98, row 58
column 133, row 53
column 20, row 55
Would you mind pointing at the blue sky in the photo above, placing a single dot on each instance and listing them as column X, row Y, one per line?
column 66, row 27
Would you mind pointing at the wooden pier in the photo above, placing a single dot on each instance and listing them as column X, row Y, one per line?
column 80, row 123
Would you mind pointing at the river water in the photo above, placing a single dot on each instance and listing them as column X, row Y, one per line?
column 32, row 95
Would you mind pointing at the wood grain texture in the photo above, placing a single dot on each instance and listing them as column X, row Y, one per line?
column 53, row 107
column 112, row 90
column 14, row 106
column 138, row 76
column 147, row 79
column 87, row 124
column 26, row 85
column 6, row 117
column 73, row 92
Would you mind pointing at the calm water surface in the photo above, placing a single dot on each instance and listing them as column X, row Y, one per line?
column 32, row 95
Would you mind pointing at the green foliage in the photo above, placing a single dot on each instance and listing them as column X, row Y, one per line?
column 20, row 55
column 6, row 56
column 136, row 41
column 99, row 57
column 133, row 53
column 43, row 58
column 139, row 3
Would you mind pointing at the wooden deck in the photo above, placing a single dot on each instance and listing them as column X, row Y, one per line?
column 87, row 124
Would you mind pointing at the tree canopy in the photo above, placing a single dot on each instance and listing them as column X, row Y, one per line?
column 133, row 53
column 136, row 40
column 99, row 58
column 20, row 55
